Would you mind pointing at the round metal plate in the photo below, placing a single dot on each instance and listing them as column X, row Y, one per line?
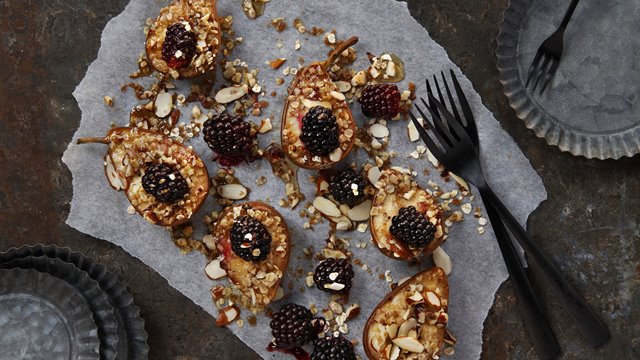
column 592, row 106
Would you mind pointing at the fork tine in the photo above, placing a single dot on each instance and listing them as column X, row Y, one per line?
column 424, row 135
column 470, row 122
column 552, row 71
column 454, row 107
column 456, row 126
column 541, row 72
column 439, row 125
column 435, row 81
column 533, row 67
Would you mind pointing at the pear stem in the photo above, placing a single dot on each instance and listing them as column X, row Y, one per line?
column 93, row 140
column 338, row 50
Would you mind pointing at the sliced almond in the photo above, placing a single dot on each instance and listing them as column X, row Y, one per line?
column 333, row 254
column 279, row 294
column 116, row 182
column 416, row 298
column 394, row 354
column 414, row 135
column 352, row 311
column 342, row 223
column 326, row 207
column 214, row 271
column 308, row 103
column 392, row 330
column 337, row 95
column 334, row 286
column 374, row 175
column 343, row 86
column 232, row 191
column 163, row 104
column 409, row 344
column 265, row 126
column 276, row 63
column 335, row 155
column 460, row 181
column 360, row 212
column 442, row 260
column 227, row 315
column 379, row 131
column 232, row 93
column 432, row 299
column 359, row 79
column 406, row 326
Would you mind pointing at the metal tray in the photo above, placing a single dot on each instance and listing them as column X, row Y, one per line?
column 132, row 339
column 592, row 106
column 42, row 314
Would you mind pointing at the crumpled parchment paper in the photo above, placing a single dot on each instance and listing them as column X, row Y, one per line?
column 382, row 25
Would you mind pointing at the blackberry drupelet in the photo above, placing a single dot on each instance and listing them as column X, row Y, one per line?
column 320, row 131
column 334, row 275
column 250, row 239
column 412, row 228
column 179, row 46
column 165, row 183
column 333, row 348
column 347, row 187
column 380, row 100
column 292, row 326
column 229, row 136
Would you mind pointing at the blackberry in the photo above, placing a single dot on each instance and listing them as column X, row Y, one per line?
column 250, row 239
column 347, row 187
column 229, row 136
column 292, row 326
column 380, row 100
column 179, row 46
column 320, row 131
column 333, row 275
column 333, row 348
column 412, row 228
column 165, row 183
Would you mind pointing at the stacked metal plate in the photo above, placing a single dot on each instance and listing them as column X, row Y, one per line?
column 59, row 304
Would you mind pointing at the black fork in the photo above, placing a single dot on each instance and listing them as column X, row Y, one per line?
column 456, row 151
column 535, row 320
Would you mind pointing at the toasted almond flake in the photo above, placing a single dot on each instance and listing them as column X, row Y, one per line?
column 163, row 104
column 374, row 175
column 265, row 126
column 359, row 79
column 227, row 315
column 460, row 181
column 331, row 38
column 116, row 181
column 379, row 130
column 297, row 45
column 466, row 208
column 276, row 63
column 308, row 103
column 333, row 254
column 343, row 86
column 363, row 228
column 336, row 155
column 432, row 159
column 334, row 286
column 232, row 93
column 480, row 230
column 413, row 131
column 482, row 221
column 360, row 212
column 442, row 260
column 326, row 207
column 333, row 276
column 432, row 299
column 406, row 326
column 337, row 95
column 232, row 191
column 394, row 353
column 309, row 280
column 214, row 271
column 108, row 100
column 409, row 344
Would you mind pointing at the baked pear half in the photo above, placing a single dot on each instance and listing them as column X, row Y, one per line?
column 254, row 242
column 411, row 321
column 406, row 221
column 318, row 129
column 184, row 39
column 165, row 181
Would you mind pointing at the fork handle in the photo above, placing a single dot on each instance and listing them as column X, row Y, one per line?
column 535, row 320
column 592, row 327
column 568, row 14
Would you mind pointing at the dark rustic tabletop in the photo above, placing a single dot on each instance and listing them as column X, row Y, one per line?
column 589, row 225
